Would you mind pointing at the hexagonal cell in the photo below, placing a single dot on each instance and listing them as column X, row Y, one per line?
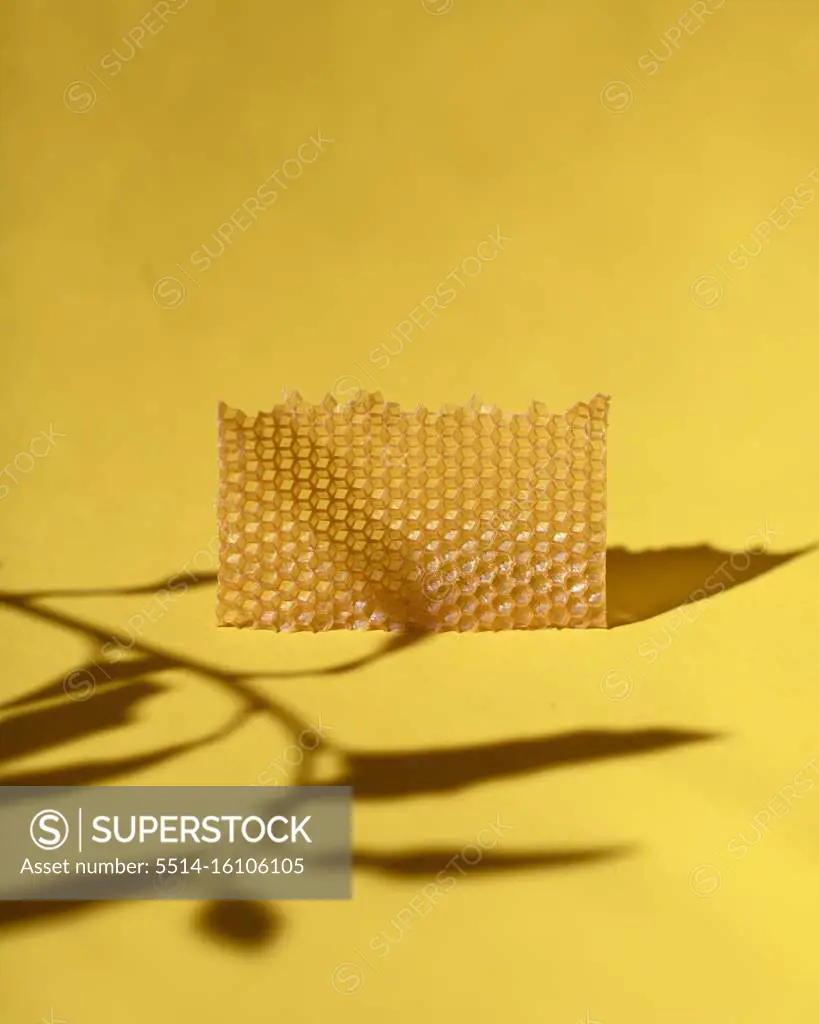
column 319, row 500
column 487, row 616
column 576, row 584
column 523, row 617
column 358, row 564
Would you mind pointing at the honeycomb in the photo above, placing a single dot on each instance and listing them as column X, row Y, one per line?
column 361, row 516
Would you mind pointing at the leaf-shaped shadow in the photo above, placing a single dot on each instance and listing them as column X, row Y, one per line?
column 429, row 862
column 642, row 584
column 41, row 729
column 91, row 773
column 90, row 678
column 243, row 923
column 396, row 774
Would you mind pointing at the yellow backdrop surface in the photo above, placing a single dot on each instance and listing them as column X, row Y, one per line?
column 207, row 202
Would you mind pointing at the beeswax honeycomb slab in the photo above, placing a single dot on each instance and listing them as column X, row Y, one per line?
column 364, row 516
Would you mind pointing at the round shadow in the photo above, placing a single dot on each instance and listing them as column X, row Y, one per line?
column 246, row 923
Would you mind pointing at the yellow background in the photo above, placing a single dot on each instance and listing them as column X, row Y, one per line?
column 616, row 199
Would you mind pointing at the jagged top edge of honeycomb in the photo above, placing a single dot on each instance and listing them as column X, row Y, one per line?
column 367, row 401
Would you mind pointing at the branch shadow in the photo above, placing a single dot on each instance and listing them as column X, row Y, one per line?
column 152, row 659
column 640, row 586
column 414, row 773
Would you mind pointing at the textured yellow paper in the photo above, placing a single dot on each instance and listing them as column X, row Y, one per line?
column 364, row 516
